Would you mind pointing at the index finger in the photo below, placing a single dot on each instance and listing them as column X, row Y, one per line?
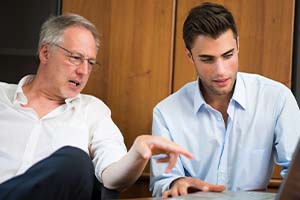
column 216, row 188
column 207, row 187
column 169, row 146
column 172, row 161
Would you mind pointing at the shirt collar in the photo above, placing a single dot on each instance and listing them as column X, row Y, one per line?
column 74, row 101
column 20, row 98
column 239, row 94
column 198, row 98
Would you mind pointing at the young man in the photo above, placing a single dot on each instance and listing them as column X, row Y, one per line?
column 50, row 131
column 235, row 124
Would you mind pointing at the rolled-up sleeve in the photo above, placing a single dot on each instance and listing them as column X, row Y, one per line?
column 106, row 141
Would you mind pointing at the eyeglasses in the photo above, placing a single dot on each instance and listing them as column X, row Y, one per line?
column 78, row 59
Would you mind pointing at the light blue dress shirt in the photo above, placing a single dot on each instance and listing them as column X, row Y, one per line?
column 263, row 126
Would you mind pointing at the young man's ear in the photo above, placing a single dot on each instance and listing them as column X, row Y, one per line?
column 189, row 55
column 44, row 53
column 237, row 43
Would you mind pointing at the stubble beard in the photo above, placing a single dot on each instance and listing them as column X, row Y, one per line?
column 212, row 89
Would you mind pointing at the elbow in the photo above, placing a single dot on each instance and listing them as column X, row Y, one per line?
column 119, row 188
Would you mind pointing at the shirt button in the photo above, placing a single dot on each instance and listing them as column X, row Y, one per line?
column 219, row 118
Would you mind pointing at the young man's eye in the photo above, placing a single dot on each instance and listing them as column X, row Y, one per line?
column 207, row 60
column 227, row 56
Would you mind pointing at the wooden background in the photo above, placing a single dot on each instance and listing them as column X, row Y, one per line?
column 143, row 59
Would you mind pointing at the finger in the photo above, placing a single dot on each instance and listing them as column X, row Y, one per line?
column 174, row 192
column 200, row 185
column 166, row 194
column 172, row 162
column 216, row 188
column 164, row 159
column 168, row 146
column 204, row 186
column 183, row 190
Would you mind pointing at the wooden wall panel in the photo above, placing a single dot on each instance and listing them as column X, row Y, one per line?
column 265, row 30
column 136, row 57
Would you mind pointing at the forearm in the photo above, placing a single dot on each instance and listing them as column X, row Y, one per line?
column 125, row 172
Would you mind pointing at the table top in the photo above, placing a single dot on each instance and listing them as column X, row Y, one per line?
column 227, row 195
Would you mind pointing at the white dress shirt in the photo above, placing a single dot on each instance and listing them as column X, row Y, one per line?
column 263, row 126
column 83, row 121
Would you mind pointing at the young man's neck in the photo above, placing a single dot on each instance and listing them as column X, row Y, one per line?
column 218, row 102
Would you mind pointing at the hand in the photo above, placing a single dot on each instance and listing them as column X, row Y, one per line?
column 182, row 185
column 147, row 146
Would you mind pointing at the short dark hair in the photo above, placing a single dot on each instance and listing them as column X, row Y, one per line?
column 207, row 19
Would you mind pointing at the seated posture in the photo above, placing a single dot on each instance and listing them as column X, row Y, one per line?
column 235, row 124
column 54, row 140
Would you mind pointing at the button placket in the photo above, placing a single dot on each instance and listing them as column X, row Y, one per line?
column 28, row 155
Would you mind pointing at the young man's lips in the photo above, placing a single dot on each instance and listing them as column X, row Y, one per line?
column 221, row 82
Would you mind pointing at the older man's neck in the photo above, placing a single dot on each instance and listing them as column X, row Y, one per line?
column 40, row 99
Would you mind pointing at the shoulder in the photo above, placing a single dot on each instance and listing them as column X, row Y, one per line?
column 7, row 86
column 182, row 97
column 259, row 82
column 268, row 92
column 94, row 107
column 7, row 91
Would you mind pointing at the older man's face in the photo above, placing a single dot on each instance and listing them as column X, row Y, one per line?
column 67, row 77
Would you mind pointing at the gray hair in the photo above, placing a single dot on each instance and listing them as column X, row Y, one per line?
column 52, row 30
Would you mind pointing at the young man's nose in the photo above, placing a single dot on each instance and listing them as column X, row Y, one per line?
column 220, row 66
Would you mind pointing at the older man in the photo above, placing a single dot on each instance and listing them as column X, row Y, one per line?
column 49, row 131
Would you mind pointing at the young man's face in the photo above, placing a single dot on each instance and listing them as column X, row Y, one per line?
column 216, row 62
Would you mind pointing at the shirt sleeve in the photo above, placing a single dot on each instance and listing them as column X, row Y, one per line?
column 106, row 141
column 159, row 180
column 287, row 130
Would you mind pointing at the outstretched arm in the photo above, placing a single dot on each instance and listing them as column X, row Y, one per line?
column 123, row 173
